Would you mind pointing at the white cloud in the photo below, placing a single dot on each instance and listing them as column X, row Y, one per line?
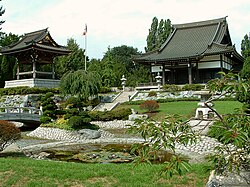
column 117, row 22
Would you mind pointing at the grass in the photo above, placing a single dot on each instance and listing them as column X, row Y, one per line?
column 187, row 108
column 39, row 173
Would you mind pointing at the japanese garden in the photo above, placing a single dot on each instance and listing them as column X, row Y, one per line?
column 176, row 114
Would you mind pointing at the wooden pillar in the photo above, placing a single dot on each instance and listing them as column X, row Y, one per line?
column 17, row 71
column 163, row 74
column 189, row 73
column 221, row 63
column 197, row 73
column 53, row 70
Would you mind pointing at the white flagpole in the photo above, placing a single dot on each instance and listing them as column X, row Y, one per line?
column 85, row 55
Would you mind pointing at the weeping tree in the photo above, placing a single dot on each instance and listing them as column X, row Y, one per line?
column 81, row 83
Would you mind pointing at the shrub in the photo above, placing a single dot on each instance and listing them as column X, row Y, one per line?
column 193, row 87
column 9, row 133
column 105, row 89
column 170, row 88
column 116, row 114
column 78, row 122
column 150, row 105
column 152, row 94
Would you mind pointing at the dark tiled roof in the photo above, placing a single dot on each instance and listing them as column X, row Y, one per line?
column 192, row 40
column 40, row 40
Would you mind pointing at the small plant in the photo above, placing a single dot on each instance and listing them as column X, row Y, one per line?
column 150, row 105
column 9, row 133
column 152, row 94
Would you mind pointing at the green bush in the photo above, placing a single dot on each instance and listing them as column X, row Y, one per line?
column 150, row 105
column 45, row 119
column 192, row 87
column 116, row 114
column 27, row 90
column 78, row 122
column 171, row 88
column 105, row 89
column 152, row 94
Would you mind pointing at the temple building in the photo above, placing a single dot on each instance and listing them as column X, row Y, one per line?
column 33, row 51
column 194, row 53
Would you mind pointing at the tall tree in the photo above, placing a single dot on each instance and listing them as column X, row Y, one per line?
column 158, row 33
column 72, row 62
column 81, row 83
column 2, row 11
column 151, row 38
column 7, row 63
column 245, row 46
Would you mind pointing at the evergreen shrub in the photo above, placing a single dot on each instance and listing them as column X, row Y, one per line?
column 171, row 88
column 116, row 114
column 192, row 87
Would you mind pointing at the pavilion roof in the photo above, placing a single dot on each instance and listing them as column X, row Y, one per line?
column 40, row 40
column 193, row 41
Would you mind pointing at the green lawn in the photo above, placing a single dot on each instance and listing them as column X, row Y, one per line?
column 26, row 172
column 187, row 108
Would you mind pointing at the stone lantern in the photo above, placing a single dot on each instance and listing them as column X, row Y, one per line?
column 123, row 79
column 158, row 81
column 203, row 112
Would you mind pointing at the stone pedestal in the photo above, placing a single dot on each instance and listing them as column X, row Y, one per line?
column 34, row 82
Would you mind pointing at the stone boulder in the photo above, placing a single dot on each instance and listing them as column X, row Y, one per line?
column 90, row 134
column 230, row 179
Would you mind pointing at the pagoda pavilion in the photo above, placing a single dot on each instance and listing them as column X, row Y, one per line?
column 32, row 51
column 194, row 53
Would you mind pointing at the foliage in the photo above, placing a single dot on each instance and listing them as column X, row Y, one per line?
column 2, row 11
column 116, row 62
column 245, row 72
column 170, row 88
column 72, row 62
column 150, row 105
column 79, row 122
column 49, row 108
column 193, row 87
column 104, row 89
column 163, row 135
column 158, row 33
column 7, row 63
column 152, row 94
column 245, row 46
column 23, row 90
column 81, row 83
column 9, row 133
column 233, row 154
column 116, row 114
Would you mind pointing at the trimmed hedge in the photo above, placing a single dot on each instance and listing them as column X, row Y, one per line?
column 116, row 114
column 27, row 90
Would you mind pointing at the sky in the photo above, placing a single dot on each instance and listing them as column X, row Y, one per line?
column 112, row 23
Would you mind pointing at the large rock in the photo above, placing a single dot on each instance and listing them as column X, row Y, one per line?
column 90, row 134
column 231, row 179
